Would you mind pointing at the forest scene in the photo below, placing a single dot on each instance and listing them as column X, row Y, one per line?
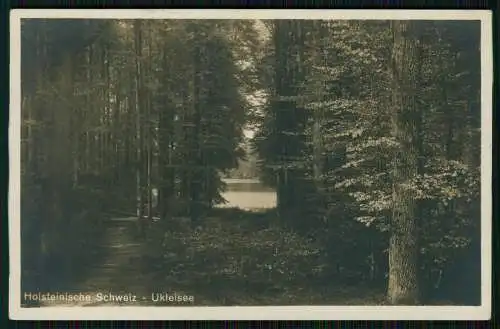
column 252, row 162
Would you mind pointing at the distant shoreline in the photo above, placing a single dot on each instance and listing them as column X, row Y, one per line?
column 241, row 180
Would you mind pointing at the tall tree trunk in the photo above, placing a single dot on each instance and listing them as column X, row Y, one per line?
column 280, row 70
column 166, row 136
column 289, row 117
column 149, row 140
column 184, row 135
column 87, row 115
column 403, row 247
column 63, row 162
column 116, row 129
column 195, row 156
column 108, row 146
column 320, row 56
column 138, row 124
column 32, row 240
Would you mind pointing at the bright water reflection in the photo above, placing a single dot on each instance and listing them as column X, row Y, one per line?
column 248, row 194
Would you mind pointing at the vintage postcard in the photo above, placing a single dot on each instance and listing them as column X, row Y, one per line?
column 250, row 164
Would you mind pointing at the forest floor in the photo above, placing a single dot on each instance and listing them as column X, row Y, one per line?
column 115, row 271
column 231, row 261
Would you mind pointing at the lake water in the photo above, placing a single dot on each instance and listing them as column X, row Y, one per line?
column 248, row 194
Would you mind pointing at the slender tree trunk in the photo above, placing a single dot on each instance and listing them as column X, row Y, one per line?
column 33, row 262
column 139, row 119
column 166, row 135
column 195, row 156
column 63, row 162
column 108, row 146
column 289, row 117
column 87, row 115
column 149, row 140
column 282, row 109
column 403, row 247
column 27, row 133
column 116, row 134
column 318, row 113
column 184, row 133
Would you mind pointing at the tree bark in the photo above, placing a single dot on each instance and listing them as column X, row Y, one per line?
column 149, row 139
column 318, row 147
column 196, row 156
column 138, row 107
column 288, row 42
column 403, row 246
column 166, row 139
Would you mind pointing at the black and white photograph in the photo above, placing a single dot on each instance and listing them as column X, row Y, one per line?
column 250, row 164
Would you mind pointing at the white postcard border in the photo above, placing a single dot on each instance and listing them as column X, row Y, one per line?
column 482, row 312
